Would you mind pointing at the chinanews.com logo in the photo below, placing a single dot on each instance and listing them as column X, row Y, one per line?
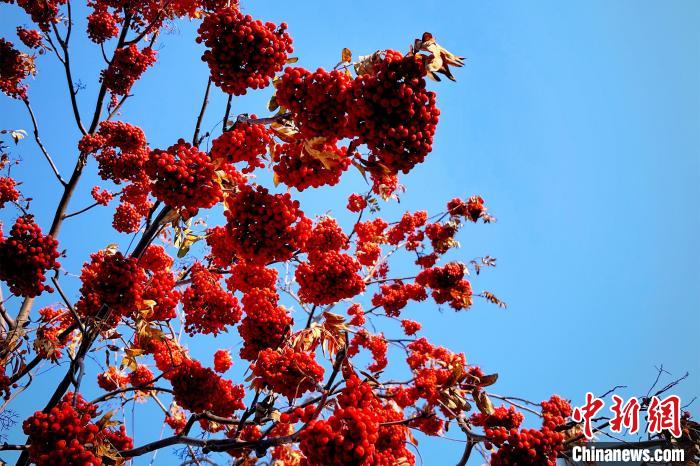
column 663, row 427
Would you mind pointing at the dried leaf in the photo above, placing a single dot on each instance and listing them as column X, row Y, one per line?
column 483, row 402
column 18, row 135
column 439, row 59
column 346, row 55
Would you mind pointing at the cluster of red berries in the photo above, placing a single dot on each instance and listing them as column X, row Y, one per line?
column 67, row 435
column 243, row 143
column 14, row 68
column 528, row 447
column 112, row 379
column 328, row 277
column 392, row 112
column 448, row 285
column 265, row 323
column 8, row 190
column 326, row 236
column 51, row 336
column 473, row 209
column 501, row 417
column 183, row 177
column 222, row 254
column 265, row 227
column 134, row 206
column 435, row 370
column 101, row 23
column 25, row 257
column 350, row 434
column 407, row 229
column 299, row 165
column 222, row 361
column 167, row 354
column 200, row 389
column 160, row 285
column 555, row 411
column 242, row 53
column 384, row 184
column 356, row 202
column 376, row 344
column 141, row 376
column 317, row 101
column 246, row 277
column 395, row 296
column 112, row 288
column 127, row 66
column 410, row 327
column 44, row 13
column 287, row 372
column 442, row 236
column 5, row 383
column 30, row 37
column 208, row 307
column 101, row 196
column 120, row 150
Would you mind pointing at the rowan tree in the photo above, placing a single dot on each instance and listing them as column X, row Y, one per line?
column 308, row 305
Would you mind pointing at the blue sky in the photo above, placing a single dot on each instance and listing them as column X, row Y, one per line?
column 578, row 122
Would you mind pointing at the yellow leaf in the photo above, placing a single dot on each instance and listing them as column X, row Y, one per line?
column 346, row 55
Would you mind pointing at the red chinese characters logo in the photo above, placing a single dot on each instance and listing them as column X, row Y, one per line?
column 661, row 415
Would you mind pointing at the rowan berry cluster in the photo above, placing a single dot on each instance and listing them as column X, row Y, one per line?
column 101, row 196
column 25, row 257
column 134, row 206
column 30, row 37
column 67, row 435
column 246, row 277
column 14, row 68
column 200, row 389
column 141, row 376
column 435, row 370
column 52, row 335
column 356, row 202
column 245, row 142
column 407, row 229
column 314, row 163
column 410, row 327
column 473, row 209
column 392, row 112
column 287, row 372
column 112, row 379
column 160, row 289
column 183, row 177
column 112, row 288
column 529, row 447
column 208, row 307
column 448, row 285
column 328, row 277
column 317, row 101
column 555, row 411
column 8, row 190
column 326, row 236
column 222, row 361
column 120, row 150
column 501, row 418
column 376, row 344
column 44, row 13
column 350, row 434
column 354, row 434
column 265, row 227
column 219, row 240
column 102, row 24
column 395, row 296
column 242, row 53
column 126, row 67
column 265, row 323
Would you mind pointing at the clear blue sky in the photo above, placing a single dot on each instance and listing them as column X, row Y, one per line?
column 578, row 122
